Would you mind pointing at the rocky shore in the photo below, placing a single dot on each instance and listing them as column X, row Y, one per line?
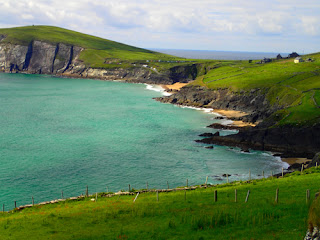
column 288, row 141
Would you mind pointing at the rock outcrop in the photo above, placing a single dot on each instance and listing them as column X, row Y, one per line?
column 61, row 59
column 289, row 141
column 253, row 102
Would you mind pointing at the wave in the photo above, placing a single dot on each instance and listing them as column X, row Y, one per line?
column 157, row 88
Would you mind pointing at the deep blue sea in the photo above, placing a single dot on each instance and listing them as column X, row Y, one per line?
column 219, row 55
column 59, row 134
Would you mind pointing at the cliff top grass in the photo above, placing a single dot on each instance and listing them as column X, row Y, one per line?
column 295, row 87
column 176, row 215
column 96, row 50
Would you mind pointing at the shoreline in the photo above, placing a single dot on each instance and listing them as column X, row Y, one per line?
column 292, row 161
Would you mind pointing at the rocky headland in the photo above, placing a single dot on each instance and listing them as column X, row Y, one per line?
column 287, row 141
column 60, row 59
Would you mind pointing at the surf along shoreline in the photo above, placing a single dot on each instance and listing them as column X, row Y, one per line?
column 230, row 120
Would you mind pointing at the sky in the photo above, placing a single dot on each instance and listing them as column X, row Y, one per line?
column 228, row 25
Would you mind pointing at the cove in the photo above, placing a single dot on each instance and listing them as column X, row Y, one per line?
column 61, row 134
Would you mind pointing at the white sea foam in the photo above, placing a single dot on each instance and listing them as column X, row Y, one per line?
column 157, row 88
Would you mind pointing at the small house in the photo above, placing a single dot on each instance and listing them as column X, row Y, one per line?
column 298, row 60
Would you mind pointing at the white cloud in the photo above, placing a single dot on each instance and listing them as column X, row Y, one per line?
column 126, row 20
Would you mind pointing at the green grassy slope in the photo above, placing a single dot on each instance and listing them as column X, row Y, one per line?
column 174, row 217
column 97, row 50
column 296, row 87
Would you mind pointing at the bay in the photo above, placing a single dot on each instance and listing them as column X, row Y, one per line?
column 59, row 134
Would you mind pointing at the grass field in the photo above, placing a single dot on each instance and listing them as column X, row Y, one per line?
column 176, row 215
column 293, row 87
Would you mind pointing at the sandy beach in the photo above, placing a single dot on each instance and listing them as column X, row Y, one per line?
column 292, row 161
column 174, row 87
column 232, row 114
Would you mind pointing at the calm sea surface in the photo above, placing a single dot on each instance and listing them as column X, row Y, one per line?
column 219, row 55
column 63, row 134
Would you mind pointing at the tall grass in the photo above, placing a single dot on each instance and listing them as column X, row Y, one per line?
column 174, row 217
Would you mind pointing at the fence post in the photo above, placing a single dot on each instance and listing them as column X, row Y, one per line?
column 307, row 196
column 301, row 168
column 168, row 184
column 61, row 194
column 249, row 174
column 107, row 189
column 277, row 195
column 87, row 191
column 32, row 201
column 282, row 172
column 215, row 195
column 157, row 196
column 147, row 186
column 129, row 187
column 316, row 164
column 15, row 204
column 206, row 181
column 96, row 196
column 271, row 174
column 247, row 197
column 187, row 182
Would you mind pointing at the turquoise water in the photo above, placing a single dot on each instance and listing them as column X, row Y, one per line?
column 63, row 134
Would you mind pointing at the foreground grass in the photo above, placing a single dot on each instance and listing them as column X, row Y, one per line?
column 174, row 217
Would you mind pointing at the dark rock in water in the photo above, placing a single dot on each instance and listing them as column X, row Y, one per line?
column 206, row 135
column 219, row 117
column 210, row 147
column 295, row 166
column 220, row 126
column 217, row 134
column 288, row 140
column 245, row 149
column 225, row 175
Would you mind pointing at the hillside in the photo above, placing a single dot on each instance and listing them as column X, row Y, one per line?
column 280, row 97
column 53, row 50
column 191, row 214
column 291, row 87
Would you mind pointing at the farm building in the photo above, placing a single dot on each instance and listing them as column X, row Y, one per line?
column 298, row 60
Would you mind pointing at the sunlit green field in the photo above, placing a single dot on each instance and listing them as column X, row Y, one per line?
column 191, row 214
column 293, row 87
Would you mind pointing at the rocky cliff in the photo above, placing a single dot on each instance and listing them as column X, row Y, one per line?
column 290, row 141
column 60, row 59
column 254, row 102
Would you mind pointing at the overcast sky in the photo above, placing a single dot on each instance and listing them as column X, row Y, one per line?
column 231, row 25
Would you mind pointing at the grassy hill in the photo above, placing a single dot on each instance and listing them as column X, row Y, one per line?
column 97, row 50
column 293, row 86
column 176, row 215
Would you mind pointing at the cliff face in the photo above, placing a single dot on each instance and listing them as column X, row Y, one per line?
column 253, row 102
column 290, row 141
column 37, row 57
column 61, row 59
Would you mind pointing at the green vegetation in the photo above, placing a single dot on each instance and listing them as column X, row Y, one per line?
column 293, row 87
column 97, row 50
column 174, row 217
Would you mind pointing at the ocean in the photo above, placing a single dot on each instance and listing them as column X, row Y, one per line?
column 219, row 55
column 61, row 134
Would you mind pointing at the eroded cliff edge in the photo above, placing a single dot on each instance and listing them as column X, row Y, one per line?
column 288, row 140
column 60, row 59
